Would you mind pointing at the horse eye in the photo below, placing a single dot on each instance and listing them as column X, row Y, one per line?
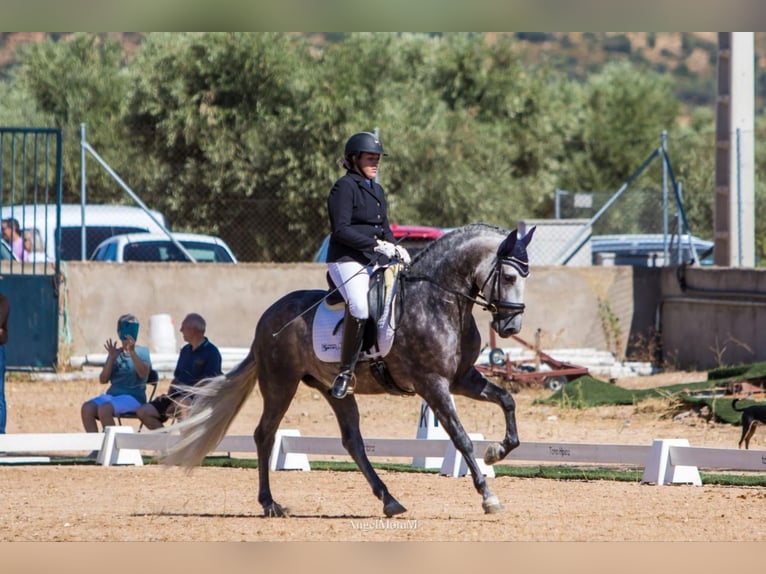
column 509, row 278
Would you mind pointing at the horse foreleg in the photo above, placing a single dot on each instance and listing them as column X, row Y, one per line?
column 477, row 386
column 347, row 413
column 441, row 405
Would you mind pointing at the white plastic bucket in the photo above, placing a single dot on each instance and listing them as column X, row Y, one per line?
column 162, row 334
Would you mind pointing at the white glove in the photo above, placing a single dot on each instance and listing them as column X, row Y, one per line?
column 403, row 255
column 385, row 248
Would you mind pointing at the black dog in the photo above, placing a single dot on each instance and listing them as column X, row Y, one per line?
column 752, row 416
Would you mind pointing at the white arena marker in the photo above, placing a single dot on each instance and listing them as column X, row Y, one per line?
column 281, row 460
column 429, row 428
column 109, row 454
column 454, row 462
column 659, row 470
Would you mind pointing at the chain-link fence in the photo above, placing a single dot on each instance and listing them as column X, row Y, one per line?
column 642, row 223
column 638, row 227
column 267, row 222
column 256, row 225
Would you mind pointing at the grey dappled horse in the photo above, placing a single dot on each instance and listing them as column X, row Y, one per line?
column 436, row 345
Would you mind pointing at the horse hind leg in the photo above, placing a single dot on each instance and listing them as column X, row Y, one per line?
column 276, row 400
column 347, row 413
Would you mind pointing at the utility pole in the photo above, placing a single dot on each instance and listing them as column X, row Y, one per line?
column 734, row 206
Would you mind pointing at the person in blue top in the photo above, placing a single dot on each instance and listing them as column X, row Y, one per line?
column 127, row 368
column 199, row 359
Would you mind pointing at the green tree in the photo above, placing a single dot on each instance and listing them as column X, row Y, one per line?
column 219, row 115
column 626, row 110
column 74, row 81
column 690, row 148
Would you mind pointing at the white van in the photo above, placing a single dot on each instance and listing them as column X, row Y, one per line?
column 101, row 222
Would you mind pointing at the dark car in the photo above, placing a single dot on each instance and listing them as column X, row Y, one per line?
column 648, row 250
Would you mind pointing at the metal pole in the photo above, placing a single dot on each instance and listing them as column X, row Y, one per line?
column 137, row 199
column 739, row 199
column 665, row 250
column 574, row 245
column 83, row 235
column 557, row 202
column 680, row 226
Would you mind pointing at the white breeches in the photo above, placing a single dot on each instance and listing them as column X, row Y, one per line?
column 353, row 281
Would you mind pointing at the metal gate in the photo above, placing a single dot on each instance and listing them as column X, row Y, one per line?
column 30, row 176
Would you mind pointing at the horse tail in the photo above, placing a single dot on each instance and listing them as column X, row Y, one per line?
column 733, row 406
column 216, row 401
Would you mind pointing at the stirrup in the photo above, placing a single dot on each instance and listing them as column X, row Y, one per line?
column 344, row 384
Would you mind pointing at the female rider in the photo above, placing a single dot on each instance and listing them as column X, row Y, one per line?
column 361, row 239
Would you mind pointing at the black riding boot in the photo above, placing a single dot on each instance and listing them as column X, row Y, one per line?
column 351, row 346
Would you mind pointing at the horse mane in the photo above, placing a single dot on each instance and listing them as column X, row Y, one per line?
column 458, row 234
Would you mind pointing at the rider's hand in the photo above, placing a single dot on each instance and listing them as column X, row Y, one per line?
column 403, row 255
column 385, row 248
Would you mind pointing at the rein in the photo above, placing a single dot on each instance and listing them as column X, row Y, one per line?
column 493, row 306
column 480, row 302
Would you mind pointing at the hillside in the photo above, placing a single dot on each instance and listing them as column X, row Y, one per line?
column 689, row 56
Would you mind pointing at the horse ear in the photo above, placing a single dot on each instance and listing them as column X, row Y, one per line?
column 506, row 247
column 514, row 251
column 528, row 237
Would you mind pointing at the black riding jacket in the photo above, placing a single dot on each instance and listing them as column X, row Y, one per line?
column 358, row 218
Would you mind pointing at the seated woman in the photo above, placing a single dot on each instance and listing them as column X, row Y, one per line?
column 34, row 246
column 127, row 367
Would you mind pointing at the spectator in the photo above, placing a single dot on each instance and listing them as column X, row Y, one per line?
column 12, row 235
column 5, row 311
column 34, row 246
column 127, row 368
column 199, row 359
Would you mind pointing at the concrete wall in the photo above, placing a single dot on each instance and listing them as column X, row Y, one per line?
column 562, row 302
column 717, row 319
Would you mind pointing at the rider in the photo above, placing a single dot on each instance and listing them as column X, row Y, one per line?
column 361, row 239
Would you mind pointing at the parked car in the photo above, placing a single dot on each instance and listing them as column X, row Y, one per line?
column 647, row 250
column 101, row 221
column 413, row 238
column 159, row 247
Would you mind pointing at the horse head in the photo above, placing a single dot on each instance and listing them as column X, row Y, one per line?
column 506, row 283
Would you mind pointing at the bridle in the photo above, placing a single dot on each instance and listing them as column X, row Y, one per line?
column 495, row 305
column 499, row 308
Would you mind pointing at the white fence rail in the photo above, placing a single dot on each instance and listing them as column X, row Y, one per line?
column 665, row 461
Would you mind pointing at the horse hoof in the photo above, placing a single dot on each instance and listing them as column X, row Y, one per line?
column 274, row 510
column 492, row 505
column 493, row 453
column 393, row 508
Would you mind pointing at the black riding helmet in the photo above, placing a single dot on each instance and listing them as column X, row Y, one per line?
column 363, row 142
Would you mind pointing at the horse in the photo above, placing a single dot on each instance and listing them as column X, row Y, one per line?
column 433, row 354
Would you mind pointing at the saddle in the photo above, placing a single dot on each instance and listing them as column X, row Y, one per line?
column 385, row 310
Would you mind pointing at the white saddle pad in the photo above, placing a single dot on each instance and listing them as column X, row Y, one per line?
column 327, row 344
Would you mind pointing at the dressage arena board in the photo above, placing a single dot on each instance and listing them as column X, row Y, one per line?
column 121, row 445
